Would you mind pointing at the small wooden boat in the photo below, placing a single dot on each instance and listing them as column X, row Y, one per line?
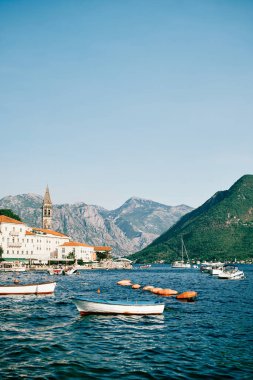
column 17, row 289
column 98, row 306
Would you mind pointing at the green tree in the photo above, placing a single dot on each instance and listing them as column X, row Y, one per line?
column 71, row 255
column 102, row 256
column 10, row 214
column 1, row 253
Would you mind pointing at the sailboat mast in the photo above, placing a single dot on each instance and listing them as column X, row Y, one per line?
column 182, row 249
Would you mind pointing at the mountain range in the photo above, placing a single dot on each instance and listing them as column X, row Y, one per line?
column 220, row 229
column 126, row 229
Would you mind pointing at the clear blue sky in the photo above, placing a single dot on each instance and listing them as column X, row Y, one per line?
column 104, row 100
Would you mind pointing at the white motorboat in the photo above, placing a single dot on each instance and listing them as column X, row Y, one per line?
column 55, row 271
column 70, row 271
column 231, row 272
column 98, row 306
column 181, row 263
column 18, row 289
column 216, row 269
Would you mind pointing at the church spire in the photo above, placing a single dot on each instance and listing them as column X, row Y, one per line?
column 47, row 199
column 47, row 211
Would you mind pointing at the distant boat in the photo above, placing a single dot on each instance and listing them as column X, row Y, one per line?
column 11, row 267
column 17, row 289
column 55, row 271
column 145, row 266
column 217, row 268
column 70, row 271
column 231, row 272
column 98, row 306
column 182, row 263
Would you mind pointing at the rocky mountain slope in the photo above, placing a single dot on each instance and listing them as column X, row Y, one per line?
column 127, row 229
column 220, row 229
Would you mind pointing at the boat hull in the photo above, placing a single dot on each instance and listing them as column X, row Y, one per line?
column 42, row 288
column 231, row 276
column 180, row 265
column 86, row 306
column 13, row 269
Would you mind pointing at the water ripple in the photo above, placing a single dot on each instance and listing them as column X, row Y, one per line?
column 45, row 338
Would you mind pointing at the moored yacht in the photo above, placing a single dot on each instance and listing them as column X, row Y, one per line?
column 231, row 272
column 181, row 263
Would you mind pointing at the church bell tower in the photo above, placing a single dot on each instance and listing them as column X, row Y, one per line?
column 47, row 211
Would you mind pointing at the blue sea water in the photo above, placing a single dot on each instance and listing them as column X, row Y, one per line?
column 43, row 337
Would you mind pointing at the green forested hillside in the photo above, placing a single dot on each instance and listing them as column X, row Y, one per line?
column 220, row 229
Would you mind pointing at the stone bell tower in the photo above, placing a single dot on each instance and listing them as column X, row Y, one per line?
column 47, row 211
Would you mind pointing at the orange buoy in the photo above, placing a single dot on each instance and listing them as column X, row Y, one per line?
column 136, row 286
column 124, row 282
column 148, row 287
column 167, row 292
column 156, row 290
column 187, row 296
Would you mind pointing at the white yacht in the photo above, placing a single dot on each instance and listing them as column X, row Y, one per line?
column 217, row 268
column 231, row 272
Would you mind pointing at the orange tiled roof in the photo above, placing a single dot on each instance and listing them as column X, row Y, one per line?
column 102, row 248
column 75, row 244
column 6, row 219
column 49, row 232
column 29, row 233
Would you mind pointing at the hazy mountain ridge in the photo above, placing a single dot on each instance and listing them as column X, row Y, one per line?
column 220, row 229
column 127, row 229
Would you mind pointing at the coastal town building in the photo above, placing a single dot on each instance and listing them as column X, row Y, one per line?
column 20, row 242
